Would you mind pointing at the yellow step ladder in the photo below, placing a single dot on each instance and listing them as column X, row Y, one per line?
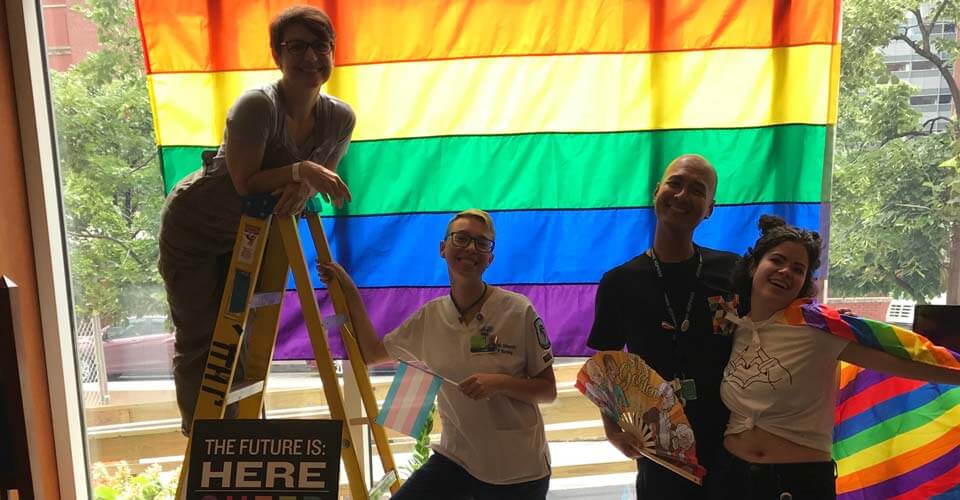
column 266, row 248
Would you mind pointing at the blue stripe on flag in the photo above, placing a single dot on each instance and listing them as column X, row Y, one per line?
column 533, row 247
column 392, row 393
column 425, row 409
column 891, row 408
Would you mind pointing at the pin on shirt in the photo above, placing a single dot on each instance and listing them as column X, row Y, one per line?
column 666, row 325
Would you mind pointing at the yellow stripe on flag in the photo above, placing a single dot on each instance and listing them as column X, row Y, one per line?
column 583, row 93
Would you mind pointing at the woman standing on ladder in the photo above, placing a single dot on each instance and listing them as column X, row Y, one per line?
column 285, row 138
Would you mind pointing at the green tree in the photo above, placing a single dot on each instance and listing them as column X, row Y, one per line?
column 111, row 183
column 896, row 194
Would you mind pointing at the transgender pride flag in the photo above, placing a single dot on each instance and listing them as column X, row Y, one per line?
column 409, row 400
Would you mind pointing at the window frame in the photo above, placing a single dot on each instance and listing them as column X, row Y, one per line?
column 34, row 112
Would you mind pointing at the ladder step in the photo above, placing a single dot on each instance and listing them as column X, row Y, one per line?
column 264, row 299
column 245, row 389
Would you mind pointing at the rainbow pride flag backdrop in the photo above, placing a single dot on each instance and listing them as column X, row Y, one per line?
column 557, row 116
column 893, row 437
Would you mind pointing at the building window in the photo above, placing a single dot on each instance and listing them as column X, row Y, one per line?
column 919, row 100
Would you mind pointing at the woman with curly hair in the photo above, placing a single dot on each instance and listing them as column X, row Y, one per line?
column 781, row 382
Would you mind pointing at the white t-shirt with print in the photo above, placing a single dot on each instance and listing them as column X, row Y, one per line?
column 500, row 440
column 783, row 379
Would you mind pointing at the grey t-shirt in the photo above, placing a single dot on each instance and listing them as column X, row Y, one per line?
column 259, row 116
column 202, row 213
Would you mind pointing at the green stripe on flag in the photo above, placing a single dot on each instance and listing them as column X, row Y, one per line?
column 554, row 171
column 895, row 426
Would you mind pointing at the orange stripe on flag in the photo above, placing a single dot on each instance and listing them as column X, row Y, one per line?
column 176, row 32
column 898, row 464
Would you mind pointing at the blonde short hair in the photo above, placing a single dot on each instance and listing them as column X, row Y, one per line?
column 474, row 213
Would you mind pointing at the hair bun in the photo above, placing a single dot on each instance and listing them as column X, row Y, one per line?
column 769, row 222
column 815, row 236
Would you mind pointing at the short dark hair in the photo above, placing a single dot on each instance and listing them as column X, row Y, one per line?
column 310, row 17
column 774, row 231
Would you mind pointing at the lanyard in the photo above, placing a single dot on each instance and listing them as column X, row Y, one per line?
column 463, row 312
column 672, row 324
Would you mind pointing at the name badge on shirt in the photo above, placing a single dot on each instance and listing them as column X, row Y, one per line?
column 688, row 389
column 480, row 344
column 685, row 389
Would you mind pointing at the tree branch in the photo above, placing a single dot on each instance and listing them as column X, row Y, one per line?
column 120, row 243
column 941, row 67
column 925, row 129
column 900, row 282
column 912, row 133
column 141, row 165
column 930, row 122
column 924, row 34
column 936, row 14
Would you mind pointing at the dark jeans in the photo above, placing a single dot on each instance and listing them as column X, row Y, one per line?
column 442, row 479
column 656, row 482
column 744, row 480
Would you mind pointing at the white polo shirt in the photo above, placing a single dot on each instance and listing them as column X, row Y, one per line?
column 500, row 440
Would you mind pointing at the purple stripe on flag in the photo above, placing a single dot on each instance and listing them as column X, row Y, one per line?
column 907, row 481
column 567, row 312
column 863, row 381
column 813, row 317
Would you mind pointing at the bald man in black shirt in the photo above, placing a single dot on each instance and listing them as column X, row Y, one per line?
column 656, row 305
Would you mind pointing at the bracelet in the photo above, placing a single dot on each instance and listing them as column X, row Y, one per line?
column 295, row 172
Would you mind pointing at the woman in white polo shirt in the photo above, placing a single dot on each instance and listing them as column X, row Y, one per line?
column 781, row 381
column 492, row 340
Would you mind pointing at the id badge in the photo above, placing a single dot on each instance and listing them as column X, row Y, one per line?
column 480, row 344
column 688, row 389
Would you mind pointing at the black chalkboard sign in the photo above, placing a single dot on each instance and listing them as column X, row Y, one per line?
column 290, row 459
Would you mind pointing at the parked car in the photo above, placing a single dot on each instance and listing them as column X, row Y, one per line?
column 141, row 347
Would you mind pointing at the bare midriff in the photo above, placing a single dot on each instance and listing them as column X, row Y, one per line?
column 759, row 446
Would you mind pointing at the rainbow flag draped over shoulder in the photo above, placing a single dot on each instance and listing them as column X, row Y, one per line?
column 893, row 437
column 556, row 116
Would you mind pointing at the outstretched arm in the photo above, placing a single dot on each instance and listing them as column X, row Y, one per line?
column 370, row 345
column 882, row 362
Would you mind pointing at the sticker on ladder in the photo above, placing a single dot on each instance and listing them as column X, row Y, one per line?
column 238, row 295
column 248, row 247
column 334, row 322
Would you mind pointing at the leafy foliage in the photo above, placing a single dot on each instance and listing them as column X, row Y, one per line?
column 122, row 484
column 421, row 449
column 111, row 184
column 895, row 191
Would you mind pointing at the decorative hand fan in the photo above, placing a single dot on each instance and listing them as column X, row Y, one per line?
column 646, row 406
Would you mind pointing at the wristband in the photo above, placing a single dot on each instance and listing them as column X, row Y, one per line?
column 295, row 172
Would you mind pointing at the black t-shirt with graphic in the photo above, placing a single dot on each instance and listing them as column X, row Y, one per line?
column 630, row 309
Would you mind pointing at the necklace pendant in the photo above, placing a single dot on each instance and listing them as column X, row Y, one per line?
column 667, row 326
column 685, row 325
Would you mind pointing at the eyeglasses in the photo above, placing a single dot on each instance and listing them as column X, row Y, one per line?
column 299, row 47
column 462, row 239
